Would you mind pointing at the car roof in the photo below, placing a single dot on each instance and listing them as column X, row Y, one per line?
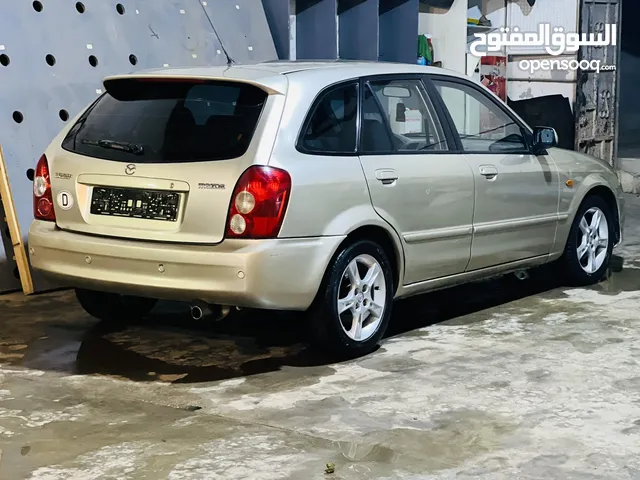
column 314, row 75
column 274, row 75
column 368, row 67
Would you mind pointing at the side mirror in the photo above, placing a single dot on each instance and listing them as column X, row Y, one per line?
column 543, row 138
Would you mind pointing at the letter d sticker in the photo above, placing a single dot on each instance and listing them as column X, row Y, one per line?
column 65, row 200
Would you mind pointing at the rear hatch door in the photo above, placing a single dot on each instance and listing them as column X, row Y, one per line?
column 158, row 158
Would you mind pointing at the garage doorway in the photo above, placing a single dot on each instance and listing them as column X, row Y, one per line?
column 629, row 93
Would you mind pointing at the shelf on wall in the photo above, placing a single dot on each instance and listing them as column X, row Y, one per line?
column 471, row 29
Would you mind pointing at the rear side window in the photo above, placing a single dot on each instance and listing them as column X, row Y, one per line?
column 160, row 121
column 331, row 127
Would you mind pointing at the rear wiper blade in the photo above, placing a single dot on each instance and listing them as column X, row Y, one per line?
column 133, row 148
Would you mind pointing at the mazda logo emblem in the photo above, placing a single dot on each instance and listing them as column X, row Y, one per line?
column 130, row 169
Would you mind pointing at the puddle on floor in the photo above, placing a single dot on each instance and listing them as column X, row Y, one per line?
column 627, row 280
column 50, row 332
column 456, row 437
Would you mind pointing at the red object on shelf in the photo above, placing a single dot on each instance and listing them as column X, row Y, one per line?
column 493, row 75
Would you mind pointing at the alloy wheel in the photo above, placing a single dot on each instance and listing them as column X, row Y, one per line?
column 593, row 240
column 362, row 298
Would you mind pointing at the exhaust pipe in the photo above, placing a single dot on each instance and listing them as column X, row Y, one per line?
column 197, row 312
column 219, row 312
column 522, row 275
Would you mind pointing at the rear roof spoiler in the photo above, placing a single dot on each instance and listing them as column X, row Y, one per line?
column 272, row 83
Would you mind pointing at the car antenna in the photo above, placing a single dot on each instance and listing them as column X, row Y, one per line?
column 230, row 60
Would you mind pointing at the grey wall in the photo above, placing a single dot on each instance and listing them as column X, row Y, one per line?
column 399, row 30
column 358, row 28
column 629, row 71
column 155, row 32
column 278, row 14
column 316, row 27
column 629, row 109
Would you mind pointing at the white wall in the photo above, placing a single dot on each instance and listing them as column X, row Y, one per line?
column 449, row 33
column 522, row 84
column 562, row 13
column 450, row 41
column 448, row 29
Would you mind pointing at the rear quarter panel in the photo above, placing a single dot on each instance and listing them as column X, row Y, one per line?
column 587, row 173
column 329, row 195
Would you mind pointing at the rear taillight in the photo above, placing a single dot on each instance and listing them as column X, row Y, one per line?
column 259, row 203
column 42, row 196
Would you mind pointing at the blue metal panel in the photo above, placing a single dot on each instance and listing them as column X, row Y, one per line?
column 358, row 27
column 316, row 29
column 149, row 34
column 278, row 13
column 398, row 30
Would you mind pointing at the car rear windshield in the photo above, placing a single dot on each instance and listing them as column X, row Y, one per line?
column 163, row 121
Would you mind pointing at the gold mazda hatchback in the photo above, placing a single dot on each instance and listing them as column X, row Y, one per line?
column 331, row 188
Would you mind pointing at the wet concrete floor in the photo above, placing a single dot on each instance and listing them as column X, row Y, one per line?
column 495, row 380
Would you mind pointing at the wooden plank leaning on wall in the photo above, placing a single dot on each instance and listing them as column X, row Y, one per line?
column 19, row 252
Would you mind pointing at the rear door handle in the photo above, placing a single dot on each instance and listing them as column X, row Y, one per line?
column 488, row 171
column 386, row 176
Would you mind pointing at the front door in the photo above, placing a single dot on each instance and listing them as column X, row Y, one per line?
column 421, row 189
column 516, row 193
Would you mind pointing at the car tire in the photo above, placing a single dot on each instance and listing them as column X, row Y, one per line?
column 114, row 308
column 368, row 298
column 586, row 258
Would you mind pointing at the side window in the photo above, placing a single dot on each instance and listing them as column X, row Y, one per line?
column 482, row 125
column 332, row 125
column 408, row 111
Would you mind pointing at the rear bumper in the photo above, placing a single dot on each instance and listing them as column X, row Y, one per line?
column 271, row 274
